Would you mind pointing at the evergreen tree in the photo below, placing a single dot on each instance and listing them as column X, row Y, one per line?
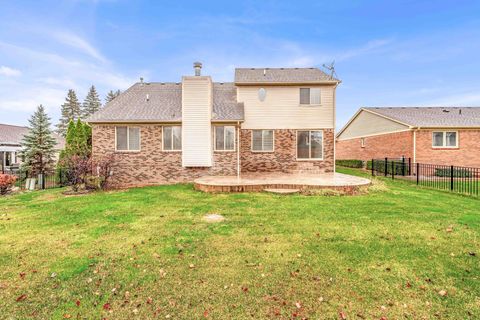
column 38, row 145
column 92, row 103
column 70, row 111
column 112, row 95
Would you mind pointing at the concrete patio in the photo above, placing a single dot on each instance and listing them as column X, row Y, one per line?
column 255, row 182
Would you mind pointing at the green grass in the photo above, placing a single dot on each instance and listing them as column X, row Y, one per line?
column 386, row 253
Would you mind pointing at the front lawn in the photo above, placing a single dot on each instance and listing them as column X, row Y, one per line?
column 146, row 253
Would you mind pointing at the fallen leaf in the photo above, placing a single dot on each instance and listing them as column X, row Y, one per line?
column 22, row 275
column 77, row 303
column 67, row 316
column 149, row 300
column 473, row 254
column 21, row 298
column 244, row 289
column 107, row 306
column 191, row 266
column 298, row 305
column 342, row 315
column 53, row 275
column 443, row 293
column 205, row 313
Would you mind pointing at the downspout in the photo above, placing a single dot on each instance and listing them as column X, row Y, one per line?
column 334, row 125
column 415, row 146
column 238, row 150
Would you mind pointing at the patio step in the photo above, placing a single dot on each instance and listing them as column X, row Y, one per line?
column 282, row 191
column 299, row 171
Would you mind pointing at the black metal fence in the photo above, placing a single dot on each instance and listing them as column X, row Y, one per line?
column 41, row 181
column 464, row 180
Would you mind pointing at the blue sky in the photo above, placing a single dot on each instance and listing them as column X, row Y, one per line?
column 395, row 53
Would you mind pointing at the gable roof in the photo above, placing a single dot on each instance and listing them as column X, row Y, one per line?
column 164, row 103
column 281, row 76
column 431, row 116
column 13, row 135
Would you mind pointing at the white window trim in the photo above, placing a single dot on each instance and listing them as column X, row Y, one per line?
column 445, row 140
column 263, row 151
column 215, row 139
column 128, row 139
column 310, row 148
column 362, row 142
column 163, row 140
column 310, row 98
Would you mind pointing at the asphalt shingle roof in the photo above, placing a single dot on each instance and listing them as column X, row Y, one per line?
column 13, row 135
column 164, row 103
column 432, row 116
column 281, row 75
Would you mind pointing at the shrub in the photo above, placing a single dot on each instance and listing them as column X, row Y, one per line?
column 350, row 163
column 457, row 173
column 6, row 183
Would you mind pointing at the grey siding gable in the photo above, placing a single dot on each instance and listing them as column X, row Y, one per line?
column 366, row 124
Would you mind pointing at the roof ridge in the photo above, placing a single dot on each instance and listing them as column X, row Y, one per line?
column 13, row 125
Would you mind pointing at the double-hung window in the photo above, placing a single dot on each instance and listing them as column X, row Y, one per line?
column 224, row 138
column 127, row 138
column 310, row 144
column 445, row 139
column 172, row 138
column 262, row 140
column 310, row 96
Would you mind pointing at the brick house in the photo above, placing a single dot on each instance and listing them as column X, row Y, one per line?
column 435, row 135
column 267, row 120
column 11, row 139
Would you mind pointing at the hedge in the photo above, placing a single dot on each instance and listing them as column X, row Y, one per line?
column 350, row 163
column 457, row 173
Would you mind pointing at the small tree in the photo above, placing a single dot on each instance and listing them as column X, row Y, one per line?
column 92, row 103
column 74, row 162
column 38, row 144
column 112, row 95
column 70, row 111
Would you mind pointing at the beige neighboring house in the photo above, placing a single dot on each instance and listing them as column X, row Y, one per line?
column 11, row 144
column 266, row 120
column 432, row 135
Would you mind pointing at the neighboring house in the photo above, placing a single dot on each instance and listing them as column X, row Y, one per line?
column 268, row 120
column 435, row 135
column 11, row 144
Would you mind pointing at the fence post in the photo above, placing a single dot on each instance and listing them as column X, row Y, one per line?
column 393, row 169
column 417, row 172
column 386, row 166
column 373, row 172
column 451, row 178
column 409, row 166
column 403, row 166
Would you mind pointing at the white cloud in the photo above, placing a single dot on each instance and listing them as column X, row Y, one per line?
column 9, row 72
column 75, row 41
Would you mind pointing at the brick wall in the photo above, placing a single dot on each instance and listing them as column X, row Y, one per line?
column 285, row 152
column 393, row 145
column 467, row 154
column 151, row 165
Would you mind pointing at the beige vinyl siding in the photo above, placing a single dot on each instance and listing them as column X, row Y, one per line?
column 281, row 108
column 196, row 125
column 366, row 124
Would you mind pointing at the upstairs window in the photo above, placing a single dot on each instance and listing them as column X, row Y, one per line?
column 172, row 138
column 127, row 138
column 444, row 139
column 224, row 138
column 262, row 140
column 309, row 96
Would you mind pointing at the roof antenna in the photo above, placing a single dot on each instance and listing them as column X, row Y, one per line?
column 331, row 67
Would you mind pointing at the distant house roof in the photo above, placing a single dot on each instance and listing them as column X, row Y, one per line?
column 281, row 76
column 156, row 102
column 432, row 116
column 13, row 135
